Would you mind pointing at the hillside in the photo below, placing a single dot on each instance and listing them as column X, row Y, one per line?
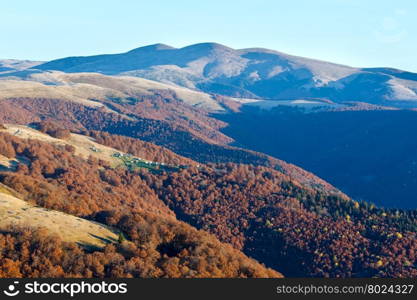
column 15, row 212
column 86, row 147
column 10, row 66
column 85, row 86
column 250, row 73
column 160, row 118
column 152, row 243
column 130, row 107
column 293, row 228
column 368, row 154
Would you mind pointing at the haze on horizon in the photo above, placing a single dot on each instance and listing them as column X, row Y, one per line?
column 351, row 32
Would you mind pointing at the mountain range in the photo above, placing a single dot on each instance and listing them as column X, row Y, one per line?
column 250, row 73
column 206, row 161
column 221, row 90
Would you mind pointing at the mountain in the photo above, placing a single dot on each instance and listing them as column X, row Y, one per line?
column 14, row 65
column 163, row 177
column 176, row 118
column 212, row 128
column 251, row 73
column 64, row 204
column 233, row 211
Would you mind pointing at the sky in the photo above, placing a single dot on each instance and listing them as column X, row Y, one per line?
column 360, row 33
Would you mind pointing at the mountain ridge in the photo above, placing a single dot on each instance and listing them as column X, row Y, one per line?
column 250, row 73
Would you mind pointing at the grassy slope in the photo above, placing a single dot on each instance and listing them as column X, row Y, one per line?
column 83, row 145
column 17, row 212
column 84, row 87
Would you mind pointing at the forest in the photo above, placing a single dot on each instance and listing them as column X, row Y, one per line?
column 154, row 243
column 290, row 228
column 366, row 153
column 160, row 128
column 238, row 210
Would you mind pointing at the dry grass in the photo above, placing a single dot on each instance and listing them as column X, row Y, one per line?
column 86, row 87
column 16, row 212
column 31, row 89
column 6, row 163
column 6, row 190
column 79, row 93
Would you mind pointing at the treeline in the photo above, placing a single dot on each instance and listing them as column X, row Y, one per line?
column 52, row 129
column 139, row 148
column 165, row 105
column 125, row 144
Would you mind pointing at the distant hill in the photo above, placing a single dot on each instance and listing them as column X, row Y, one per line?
column 15, row 65
column 251, row 73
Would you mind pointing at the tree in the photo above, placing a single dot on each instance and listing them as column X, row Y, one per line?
column 121, row 238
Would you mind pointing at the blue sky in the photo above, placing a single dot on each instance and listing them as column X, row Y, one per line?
column 361, row 33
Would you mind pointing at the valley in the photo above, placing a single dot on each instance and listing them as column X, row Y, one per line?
column 206, row 161
column 369, row 155
column 289, row 226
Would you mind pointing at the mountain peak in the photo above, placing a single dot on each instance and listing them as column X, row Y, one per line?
column 154, row 47
column 249, row 73
column 207, row 46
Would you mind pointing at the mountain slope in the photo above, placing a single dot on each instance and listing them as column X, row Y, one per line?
column 84, row 87
column 259, row 211
column 251, row 73
column 128, row 107
column 153, row 243
column 16, row 212
column 15, row 65
column 294, row 229
column 368, row 154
